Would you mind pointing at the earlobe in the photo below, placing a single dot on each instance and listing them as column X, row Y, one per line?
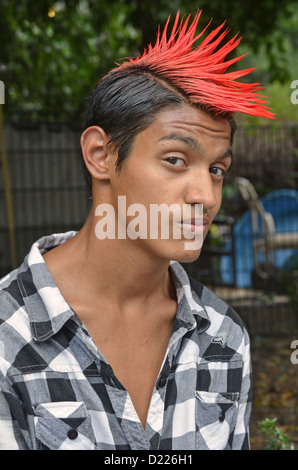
column 96, row 153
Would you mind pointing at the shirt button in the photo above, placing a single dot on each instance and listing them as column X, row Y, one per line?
column 72, row 434
column 162, row 381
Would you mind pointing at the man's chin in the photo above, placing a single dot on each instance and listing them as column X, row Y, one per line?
column 188, row 256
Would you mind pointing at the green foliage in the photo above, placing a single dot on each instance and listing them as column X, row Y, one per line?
column 52, row 63
column 277, row 70
column 277, row 440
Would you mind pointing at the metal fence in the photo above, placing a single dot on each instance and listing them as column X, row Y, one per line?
column 268, row 158
column 49, row 195
column 47, row 188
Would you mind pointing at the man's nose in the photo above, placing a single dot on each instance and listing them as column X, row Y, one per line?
column 200, row 190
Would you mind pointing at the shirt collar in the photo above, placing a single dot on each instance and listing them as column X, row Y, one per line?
column 48, row 311
column 191, row 310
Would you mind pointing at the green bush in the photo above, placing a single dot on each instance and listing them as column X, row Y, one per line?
column 277, row 440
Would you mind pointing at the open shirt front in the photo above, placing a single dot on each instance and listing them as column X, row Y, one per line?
column 57, row 391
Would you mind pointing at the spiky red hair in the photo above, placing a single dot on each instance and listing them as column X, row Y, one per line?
column 200, row 72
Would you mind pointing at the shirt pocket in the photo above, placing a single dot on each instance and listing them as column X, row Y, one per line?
column 64, row 425
column 216, row 415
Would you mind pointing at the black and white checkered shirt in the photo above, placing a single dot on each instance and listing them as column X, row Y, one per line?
column 58, row 392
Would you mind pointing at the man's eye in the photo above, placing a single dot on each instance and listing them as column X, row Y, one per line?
column 215, row 170
column 175, row 161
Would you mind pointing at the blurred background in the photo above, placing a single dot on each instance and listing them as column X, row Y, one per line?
column 52, row 53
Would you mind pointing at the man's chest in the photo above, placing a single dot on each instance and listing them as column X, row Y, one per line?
column 77, row 401
column 136, row 357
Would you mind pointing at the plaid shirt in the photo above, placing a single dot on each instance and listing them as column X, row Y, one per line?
column 57, row 391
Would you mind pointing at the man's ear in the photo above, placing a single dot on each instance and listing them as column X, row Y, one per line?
column 96, row 152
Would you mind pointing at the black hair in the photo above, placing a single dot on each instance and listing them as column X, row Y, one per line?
column 123, row 104
column 126, row 102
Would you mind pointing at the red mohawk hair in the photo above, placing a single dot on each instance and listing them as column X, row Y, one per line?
column 200, row 71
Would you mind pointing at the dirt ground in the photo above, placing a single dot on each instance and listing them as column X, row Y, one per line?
column 275, row 388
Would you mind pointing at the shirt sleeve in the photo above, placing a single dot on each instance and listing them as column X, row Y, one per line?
column 241, row 433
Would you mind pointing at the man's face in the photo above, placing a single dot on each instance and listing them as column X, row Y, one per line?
column 179, row 159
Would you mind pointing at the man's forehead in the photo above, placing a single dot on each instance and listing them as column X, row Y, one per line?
column 190, row 118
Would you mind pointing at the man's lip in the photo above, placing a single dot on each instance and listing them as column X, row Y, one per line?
column 195, row 225
column 196, row 222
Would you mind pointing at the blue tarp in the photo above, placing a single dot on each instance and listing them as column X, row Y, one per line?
column 283, row 205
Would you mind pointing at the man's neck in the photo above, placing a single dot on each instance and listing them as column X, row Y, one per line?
column 108, row 269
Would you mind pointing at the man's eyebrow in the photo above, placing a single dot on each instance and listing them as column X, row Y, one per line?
column 193, row 143
column 228, row 154
column 190, row 141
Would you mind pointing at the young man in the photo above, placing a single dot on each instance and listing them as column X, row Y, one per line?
column 106, row 343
